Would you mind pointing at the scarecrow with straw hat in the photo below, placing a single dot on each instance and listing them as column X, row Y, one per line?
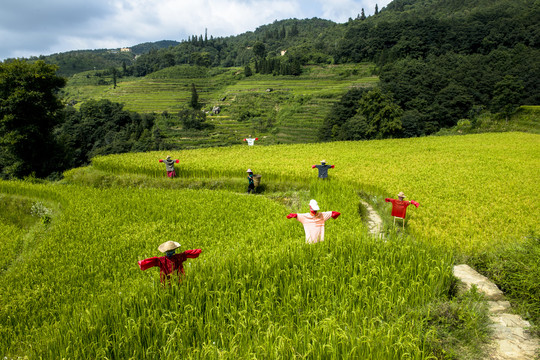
column 399, row 206
column 171, row 262
column 323, row 169
column 314, row 221
column 169, row 165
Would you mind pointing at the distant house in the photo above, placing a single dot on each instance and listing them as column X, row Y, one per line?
column 125, row 49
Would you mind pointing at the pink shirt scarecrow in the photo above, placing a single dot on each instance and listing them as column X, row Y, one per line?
column 314, row 222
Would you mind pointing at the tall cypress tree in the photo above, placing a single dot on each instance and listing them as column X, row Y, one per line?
column 194, row 103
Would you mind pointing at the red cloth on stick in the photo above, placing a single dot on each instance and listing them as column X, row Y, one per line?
column 399, row 207
column 168, row 265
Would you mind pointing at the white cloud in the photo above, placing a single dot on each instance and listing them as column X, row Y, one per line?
column 63, row 25
column 340, row 10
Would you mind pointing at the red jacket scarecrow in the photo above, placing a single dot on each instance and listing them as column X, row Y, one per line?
column 171, row 262
column 399, row 206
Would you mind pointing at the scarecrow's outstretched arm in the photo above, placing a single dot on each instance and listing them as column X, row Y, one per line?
column 148, row 263
column 335, row 214
column 415, row 203
column 292, row 215
column 194, row 253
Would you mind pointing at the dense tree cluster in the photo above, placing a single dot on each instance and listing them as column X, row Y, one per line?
column 269, row 40
column 441, row 90
column 102, row 127
column 277, row 66
column 39, row 136
column 363, row 114
column 29, row 111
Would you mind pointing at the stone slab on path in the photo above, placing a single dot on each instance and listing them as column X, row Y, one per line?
column 471, row 277
column 511, row 341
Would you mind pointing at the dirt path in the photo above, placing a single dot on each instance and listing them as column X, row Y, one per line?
column 510, row 341
column 374, row 220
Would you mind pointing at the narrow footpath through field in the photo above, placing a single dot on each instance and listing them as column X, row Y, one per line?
column 510, row 339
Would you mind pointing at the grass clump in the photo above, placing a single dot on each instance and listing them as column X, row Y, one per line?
column 459, row 326
column 514, row 268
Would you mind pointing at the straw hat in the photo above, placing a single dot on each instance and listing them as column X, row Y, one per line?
column 249, row 170
column 168, row 245
column 323, row 161
column 401, row 194
column 168, row 157
column 313, row 205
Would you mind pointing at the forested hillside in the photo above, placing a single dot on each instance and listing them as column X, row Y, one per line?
column 73, row 62
column 438, row 61
column 443, row 61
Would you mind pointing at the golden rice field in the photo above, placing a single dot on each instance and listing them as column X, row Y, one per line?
column 474, row 190
column 71, row 288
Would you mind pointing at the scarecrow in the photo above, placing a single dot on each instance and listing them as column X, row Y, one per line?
column 399, row 207
column 251, row 183
column 171, row 262
column 250, row 141
column 323, row 169
column 169, row 165
column 314, row 221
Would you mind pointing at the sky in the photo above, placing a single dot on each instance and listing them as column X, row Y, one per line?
column 44, row 27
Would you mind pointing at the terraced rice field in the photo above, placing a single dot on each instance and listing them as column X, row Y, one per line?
column 291, row 112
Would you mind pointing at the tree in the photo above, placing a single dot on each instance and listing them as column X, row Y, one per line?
column 340, row 113
column 247, row 71
column 294, row 30
column 411, row 122
column 507, row 95
column 363, row 15
column 376, row 9
column 194, row 98
column 114, row 72
column 201, row 59
column 102, row 127
column 455, row 104
column 29, row 110
column 382, row 115
column 194, row 120
column 259, row 50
